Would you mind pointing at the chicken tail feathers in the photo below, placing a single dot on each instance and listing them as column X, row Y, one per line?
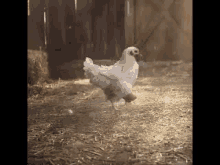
column 92, row 72
column 90, row 68
column 88, row 63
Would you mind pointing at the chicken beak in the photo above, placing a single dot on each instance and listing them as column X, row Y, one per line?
column 138, row 57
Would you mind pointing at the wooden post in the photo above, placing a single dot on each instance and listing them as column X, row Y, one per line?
column 129, row 23
column 120, row 28
column 47, row 29
column 36, row 24
column 135, row 24
column 55, row 40
column 111, row 24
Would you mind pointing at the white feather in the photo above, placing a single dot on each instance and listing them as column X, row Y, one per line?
column 121, row 76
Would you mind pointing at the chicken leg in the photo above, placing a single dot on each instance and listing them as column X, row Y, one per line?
column 128, row 104
column 114, row 108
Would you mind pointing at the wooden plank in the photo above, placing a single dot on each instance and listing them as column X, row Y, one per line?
column 129, row 25
column 36, row 24
column 120, row 31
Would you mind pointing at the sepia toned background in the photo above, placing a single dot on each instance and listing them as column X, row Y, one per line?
column 70, row 30
column 69, row 120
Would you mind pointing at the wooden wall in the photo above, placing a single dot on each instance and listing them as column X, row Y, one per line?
column 60, row 33
column 103, row 22
column 164, row 26
column 102, row 29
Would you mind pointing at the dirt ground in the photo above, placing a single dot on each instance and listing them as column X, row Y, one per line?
column 73, row 124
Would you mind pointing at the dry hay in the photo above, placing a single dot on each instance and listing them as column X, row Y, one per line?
column 79, row 128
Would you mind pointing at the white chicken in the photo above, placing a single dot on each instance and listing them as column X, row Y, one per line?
column 116, row 80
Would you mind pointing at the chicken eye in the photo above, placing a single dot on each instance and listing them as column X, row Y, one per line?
column 135, row 51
